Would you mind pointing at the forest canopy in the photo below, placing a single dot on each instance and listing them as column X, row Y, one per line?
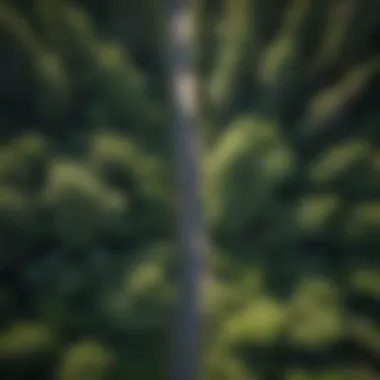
column 291, row 164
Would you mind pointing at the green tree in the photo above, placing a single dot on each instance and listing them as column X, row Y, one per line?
column 291, row 177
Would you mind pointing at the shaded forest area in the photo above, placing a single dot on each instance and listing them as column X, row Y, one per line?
column 290, row 124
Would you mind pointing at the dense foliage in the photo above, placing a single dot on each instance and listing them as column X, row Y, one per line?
column 292, row 185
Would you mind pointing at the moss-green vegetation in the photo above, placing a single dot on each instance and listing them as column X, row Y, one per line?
column 291, row 176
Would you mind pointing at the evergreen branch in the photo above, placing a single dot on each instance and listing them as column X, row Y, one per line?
column 235, row 26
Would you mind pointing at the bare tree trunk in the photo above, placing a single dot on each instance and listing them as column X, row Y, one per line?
column 188, row 165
